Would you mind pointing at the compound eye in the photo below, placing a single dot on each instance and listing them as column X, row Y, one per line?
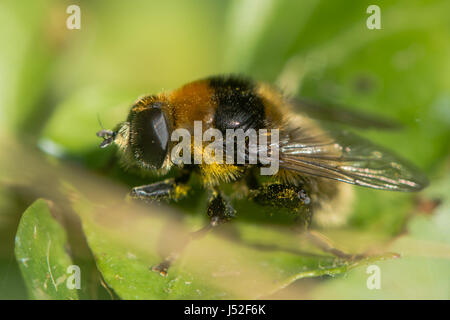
column 151, row 136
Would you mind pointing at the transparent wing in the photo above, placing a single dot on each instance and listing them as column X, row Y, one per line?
column 343, row 156
column 339, row 114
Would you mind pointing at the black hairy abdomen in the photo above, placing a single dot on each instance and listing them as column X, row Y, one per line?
column 238, row 105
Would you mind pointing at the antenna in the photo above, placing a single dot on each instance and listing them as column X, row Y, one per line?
column 100, row 121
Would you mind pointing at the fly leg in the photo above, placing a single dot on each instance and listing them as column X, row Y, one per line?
column 324, row 244
column 291, row 197
column 169, row 189
column 295, row 198
column 219, row 211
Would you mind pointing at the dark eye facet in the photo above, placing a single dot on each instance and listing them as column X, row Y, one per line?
column 151, row 136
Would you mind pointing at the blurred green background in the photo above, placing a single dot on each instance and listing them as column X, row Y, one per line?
column 55, row 83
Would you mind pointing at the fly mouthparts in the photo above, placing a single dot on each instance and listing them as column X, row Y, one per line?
column 106, row 142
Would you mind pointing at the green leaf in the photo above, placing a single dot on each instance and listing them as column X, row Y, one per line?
column 41, row 255
column 422, row 271
column 127, row 240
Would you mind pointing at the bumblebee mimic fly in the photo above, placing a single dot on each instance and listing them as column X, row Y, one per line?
column 316, row 165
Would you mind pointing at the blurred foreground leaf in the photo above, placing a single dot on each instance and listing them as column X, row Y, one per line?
column 41, row 255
